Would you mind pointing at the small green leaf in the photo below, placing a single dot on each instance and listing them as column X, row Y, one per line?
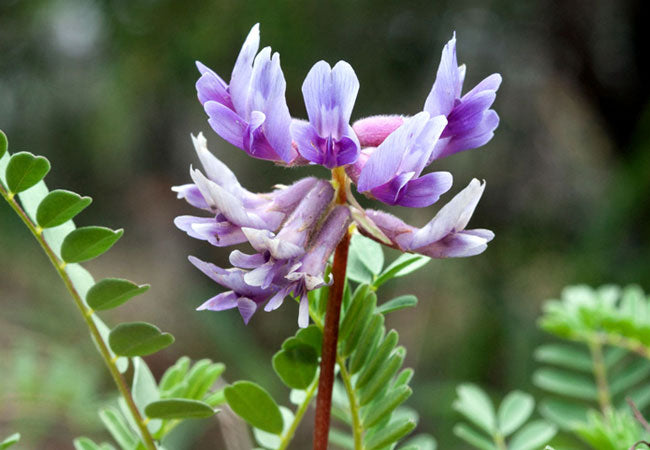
column 138, row 339
column 87, row 243
column 403, row 265
column 351, row 314
column 365, row 260
column 420, row 442
column 200, row 382
column 565, row 383
column 472, row 437
column 122, row 363
column 377, row 359
column 59, row 206
column 14, row 438
column 567, row 415
column 178, row 408
column 392, row 432
column 175, row 374
column 296, row 365
column 83, row 443
column 384, row 406
column 566, row 356
column 312, row 336
column 115, row 424
column 24, row 170
column 401, row 302
column 514, row 411
column 4, row 143
column 533, row 436
column 112, row 292
column 370, row 338
column 270, row 440
column 144, row 390
column 368, row 306
column 253, row 404
column 474, row 404
column 382, row 377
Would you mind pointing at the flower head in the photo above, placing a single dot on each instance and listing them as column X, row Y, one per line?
column 293, row 230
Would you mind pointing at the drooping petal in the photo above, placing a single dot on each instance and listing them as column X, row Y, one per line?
column 457, row 245
column 244, row 261
column 220, row 302
column 211, row 87
column 303, row 312
column 426, row 190
column 453, row 217
column 192, row 195
column 264, row 240
column 243, row 69
column 247, row 308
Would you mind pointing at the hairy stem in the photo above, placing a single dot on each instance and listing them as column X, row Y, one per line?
column 300, row 412
column 87, row 314
column 600, row 374
column 330, row 341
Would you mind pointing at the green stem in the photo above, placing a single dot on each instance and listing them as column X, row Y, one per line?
column 300, row 412
column 357, row 427
column 600, row 374
column 87, row 314
column 500, row 442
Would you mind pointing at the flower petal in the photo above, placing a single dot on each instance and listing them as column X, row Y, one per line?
column 448, row 83
column 221, row 302
column 226, row 123
column 426, row 190
column 243, row 69
column 246, row 308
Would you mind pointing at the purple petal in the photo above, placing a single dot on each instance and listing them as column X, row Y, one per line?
column 192, row 195
column 446, row 88
column 308, row 141
column 372, row 131
column 426, row 190
column 246, row 308
column 481, row 135
column 490, row 83
column 244, row 261
column 186, row 224
column 468, row 113
column 328, row 237
column 453, row 217
column 264, row 240
column 214, row 169
column 286, row 198
column 303, row 312
column 456, row 245
column 393, row 227
column 210, row 87
column 243, row 69
column 276, row 301
column 221, row 302
column 301, row 222
column 226, row 123
column 219, row 234
column 329, row 97
column 389, row 192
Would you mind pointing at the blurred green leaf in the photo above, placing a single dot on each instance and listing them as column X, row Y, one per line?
column 533, row 436
column 83, row 443
column 296, row 365
column 382, row 376
column 369, row 340
column 115, row 424
column 59, row 206
column 472, row 437
column 200, row 381
column 563, row 355
column 14, row 438
column 4, row 143
column 420, row 442
column 563, row 413
column 377, row 359
column 112, row 292
column 474, row 404
column 384, row 406
column 253, row 404
column 87, row 243
column 24, row 170
column 312, row 336
column 138, row 339
column 565, row 383
column 392, row 432
column 514, row 411
column 270, row 440
column 406, row 263
column 144, row 390
column 401, row 302
column 178, row 408
column 175, row 374
column 365, row 260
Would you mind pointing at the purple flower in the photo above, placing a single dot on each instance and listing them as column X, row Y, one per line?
column 471, row 123
column 251, row 113
column 231, row 206
column 392, row 172
column 445, row 235
column 328, row 139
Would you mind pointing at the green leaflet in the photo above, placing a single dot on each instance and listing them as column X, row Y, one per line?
column 178, row 408
column 253, row 404
column 112, row 292
column 87, row 243
column 296, row 365
column 59, row 206
column 138, row 339
column 24, row 170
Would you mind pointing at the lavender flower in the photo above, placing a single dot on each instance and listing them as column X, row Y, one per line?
column 294, row 229
column 445, row 235
column 328, row 138
column 392, row 172
column 471, row 123
column 251, row 113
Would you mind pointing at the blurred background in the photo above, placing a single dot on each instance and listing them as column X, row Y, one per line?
column 105, row 90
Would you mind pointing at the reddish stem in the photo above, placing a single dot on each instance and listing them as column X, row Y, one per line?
column 330, row 340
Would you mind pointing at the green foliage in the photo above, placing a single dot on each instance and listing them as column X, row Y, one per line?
column 59, row 206
column 296, row 363
column 606, row 363
column 14, row 438
column 3, row 143
column 365, row 259
column 178, row 408
column 87, row 243
column 138, row 339
column 496, row 427
column 110, row 293
column 25, row 170
column 254, row 404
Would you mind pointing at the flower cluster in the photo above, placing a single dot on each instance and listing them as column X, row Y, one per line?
column 294, row 229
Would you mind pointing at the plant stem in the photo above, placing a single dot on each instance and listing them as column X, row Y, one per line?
column 300, row 412
column 600, row 374
column 357, row 428
column 87, row 314
column 330, row 341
